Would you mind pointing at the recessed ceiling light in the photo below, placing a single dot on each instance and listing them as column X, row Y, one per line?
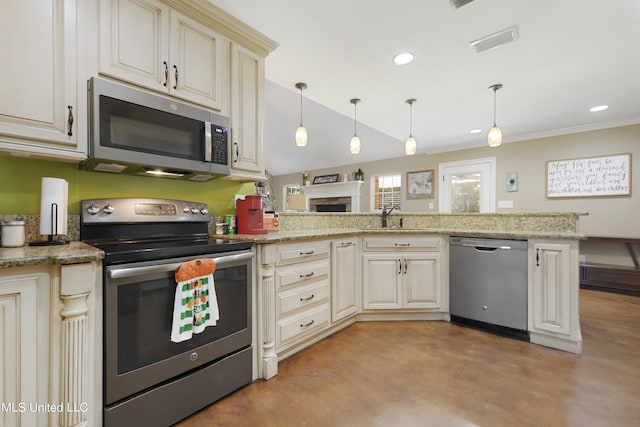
column 403, row 58
column 598, row 108
column 475, row 131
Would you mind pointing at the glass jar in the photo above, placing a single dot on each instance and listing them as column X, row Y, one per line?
column 12, row 233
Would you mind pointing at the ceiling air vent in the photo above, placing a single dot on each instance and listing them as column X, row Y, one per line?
column 495, row 40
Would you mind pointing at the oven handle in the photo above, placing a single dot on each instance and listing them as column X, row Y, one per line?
column 120, row 273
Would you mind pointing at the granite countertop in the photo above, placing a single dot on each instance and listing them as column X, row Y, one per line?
column 73, row 253
column 286, row 235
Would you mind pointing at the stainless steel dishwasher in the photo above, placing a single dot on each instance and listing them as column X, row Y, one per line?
column 488, row 285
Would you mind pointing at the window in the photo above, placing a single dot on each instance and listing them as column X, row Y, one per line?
column 468, row 186
column 385, row 191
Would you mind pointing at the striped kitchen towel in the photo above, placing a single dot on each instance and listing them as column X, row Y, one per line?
column 195, row 305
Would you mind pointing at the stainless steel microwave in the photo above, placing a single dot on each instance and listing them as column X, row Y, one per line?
column 136, row 132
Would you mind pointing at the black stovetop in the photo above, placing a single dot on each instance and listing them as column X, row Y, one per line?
column 123, row 251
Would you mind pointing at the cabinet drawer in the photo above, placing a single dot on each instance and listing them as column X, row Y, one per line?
column 408, row 243
column 300, row 273
column 303, row 251
column 302, row 296
column 295, row 327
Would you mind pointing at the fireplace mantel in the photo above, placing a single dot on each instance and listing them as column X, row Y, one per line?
column 337, row 189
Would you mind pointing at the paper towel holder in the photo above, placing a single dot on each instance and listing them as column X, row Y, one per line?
column 54, row 229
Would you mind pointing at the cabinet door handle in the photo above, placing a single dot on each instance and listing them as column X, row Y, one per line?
column 166, row 73
column 70, row 120
column 304, row 276
column 347, row 243
column 175, row 73
column 235, row 144
column 307, row 324
column 399, row 266
column 306, row 253
column 405, row 266
column 403, row 245
column 308, row 298
column 537, row 257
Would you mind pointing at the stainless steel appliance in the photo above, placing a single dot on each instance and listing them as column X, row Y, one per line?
column 148, row 379
column 136, row 132
column 488, row 284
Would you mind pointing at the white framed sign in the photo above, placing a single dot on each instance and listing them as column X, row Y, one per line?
column 602, row 176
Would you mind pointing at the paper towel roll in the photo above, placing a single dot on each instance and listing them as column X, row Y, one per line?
column 54, row 190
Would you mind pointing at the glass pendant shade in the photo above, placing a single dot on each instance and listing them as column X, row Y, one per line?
column 410, row 146
column 354, row 145
column 301, row 136
column 495, row 136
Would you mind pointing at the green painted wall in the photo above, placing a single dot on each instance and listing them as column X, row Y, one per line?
column 20, row 181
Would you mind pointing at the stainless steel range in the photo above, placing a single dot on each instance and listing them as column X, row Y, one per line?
column 148, row 378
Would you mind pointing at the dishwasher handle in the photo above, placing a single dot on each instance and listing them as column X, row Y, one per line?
column 486, row 248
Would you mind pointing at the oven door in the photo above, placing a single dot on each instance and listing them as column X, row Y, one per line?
column 138, row 304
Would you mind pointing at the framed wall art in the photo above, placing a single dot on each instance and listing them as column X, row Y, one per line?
column 603, row 176
column 325, row 179
column 420, row 184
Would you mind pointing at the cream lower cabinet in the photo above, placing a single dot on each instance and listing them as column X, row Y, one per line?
column 24, row 337
column 148, row 43
column 554, row 294
column 345, row 278
column 302, row 291
column 402, row 273
column 50, row 347
column 42, row 98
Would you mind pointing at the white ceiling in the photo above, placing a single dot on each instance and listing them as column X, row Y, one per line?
column 571, row 55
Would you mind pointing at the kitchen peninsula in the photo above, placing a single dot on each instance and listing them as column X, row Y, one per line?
column 324, row 271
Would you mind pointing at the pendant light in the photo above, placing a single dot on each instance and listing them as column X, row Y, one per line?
column 354, row 144
column 301, row 131
column 495, row 133
column 410, row 144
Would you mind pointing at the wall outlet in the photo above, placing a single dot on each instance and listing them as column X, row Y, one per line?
column 505, row 204
column 430, row 205
column 582, row 258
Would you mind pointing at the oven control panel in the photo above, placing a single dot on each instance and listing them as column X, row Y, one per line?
column 143, row 210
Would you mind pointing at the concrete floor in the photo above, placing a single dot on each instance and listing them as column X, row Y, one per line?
column 439, row 374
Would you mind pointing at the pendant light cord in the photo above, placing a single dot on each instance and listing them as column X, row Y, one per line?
column 301, row 106
column 495, row 89
column 355, row 117
column 410, row 102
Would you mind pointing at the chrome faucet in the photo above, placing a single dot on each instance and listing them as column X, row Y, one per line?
column 385, row 214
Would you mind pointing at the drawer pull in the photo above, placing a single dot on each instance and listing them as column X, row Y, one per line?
column 304, row 276
column 307, row 324
column 306, row 253
column 404, row 245
column 308, row 298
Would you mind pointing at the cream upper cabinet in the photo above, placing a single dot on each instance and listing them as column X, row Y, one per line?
column 345, row 278
column 42, row 97
column 247, row 113
column 147, row 43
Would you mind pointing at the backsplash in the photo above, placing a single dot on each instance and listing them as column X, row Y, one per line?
column 32, row 226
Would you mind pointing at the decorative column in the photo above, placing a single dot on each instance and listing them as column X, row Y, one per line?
column 74, row 362
column 267, row 306
column 77, row 281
